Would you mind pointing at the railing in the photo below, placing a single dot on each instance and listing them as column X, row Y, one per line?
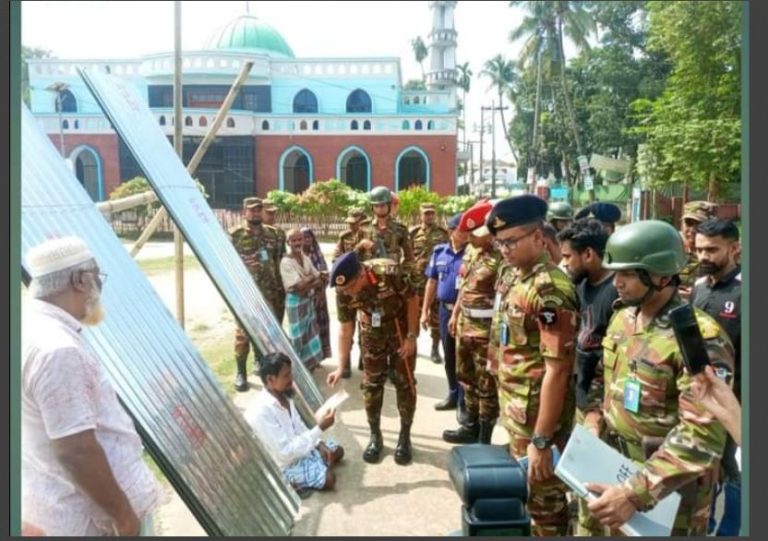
column 336, row 67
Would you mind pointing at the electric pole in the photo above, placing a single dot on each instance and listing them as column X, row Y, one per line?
column 493, row 109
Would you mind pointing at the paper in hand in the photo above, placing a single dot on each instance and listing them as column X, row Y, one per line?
column 334, row 401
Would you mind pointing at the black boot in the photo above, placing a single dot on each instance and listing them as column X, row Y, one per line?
column 403, row 449
column 449, row 403
column 372, row 452
column 486, row 431
column 436, row 351
column 241, row 380
column 466, row 433
column 462, row 416
column 360, row 362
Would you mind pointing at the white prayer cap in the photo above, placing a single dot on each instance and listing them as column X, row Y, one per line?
column 57, row 254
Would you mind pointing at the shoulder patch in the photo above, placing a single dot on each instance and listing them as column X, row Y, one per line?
column 707, row 324
column 543, row 282
column 414, row 229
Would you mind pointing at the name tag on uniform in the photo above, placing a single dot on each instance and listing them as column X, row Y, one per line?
column 264, row 254
column 503, row 333
column 632, row 395
column 375, row 319
column 497, row 302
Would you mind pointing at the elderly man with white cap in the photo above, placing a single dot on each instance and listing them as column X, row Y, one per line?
column 82, row 468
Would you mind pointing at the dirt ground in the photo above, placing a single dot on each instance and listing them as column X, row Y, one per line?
column 369, row 500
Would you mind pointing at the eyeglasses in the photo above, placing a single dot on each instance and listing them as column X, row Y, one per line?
column 102, row 276
column 511, row 243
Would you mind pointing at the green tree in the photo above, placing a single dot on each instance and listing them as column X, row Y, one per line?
column 29, row 53
column 420, row 52
column 693, row 130
column 503, row 77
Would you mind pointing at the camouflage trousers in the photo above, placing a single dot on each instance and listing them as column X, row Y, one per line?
column 380, row 347
column 434, row 319
column 242, row 341
column 480, row 394
column 695, row 497
column 519, row 405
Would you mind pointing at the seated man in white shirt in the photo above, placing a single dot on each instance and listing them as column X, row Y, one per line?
column 306, row 461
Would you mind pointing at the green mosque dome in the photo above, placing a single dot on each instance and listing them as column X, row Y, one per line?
column 249, row 33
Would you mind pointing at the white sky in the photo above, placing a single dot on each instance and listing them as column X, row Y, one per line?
column 128, row 29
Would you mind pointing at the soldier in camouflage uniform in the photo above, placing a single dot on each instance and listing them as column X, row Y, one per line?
column 560, row 215
column 259, row 246
column 536, row 346
column 471, row 324
column 694, row 213
column 649, row 410
column 424, row 238
column 388, row 310
column 347, row 242
column 270, row 213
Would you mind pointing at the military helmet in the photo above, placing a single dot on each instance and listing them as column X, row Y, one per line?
column 560, row 210
column 379, row 195
column 650, row 245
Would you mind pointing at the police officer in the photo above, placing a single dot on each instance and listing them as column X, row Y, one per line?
column 388, row 310
column 537, row 338
column 442, row 285
column 471, row 325
column 583, row 245
column 718, row 293
column 650, row 413
column 694, row 213
column 347, row 241
column 270, row 215
column 607, row 213
column 424, row 237
column 259, row 246
column 559, row 214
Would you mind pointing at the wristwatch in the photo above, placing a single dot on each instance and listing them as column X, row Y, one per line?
column 411, row 335
column 541, row 442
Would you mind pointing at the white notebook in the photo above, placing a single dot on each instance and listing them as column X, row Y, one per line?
column 588, row 459
column 334, row 401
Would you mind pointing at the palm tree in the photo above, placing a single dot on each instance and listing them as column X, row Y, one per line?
column 503, row 78
column 544, row 26
column 420, row 52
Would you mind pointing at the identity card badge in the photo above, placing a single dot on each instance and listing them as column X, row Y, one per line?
column 376, row 319
column 632, row 395
column 264, row 254
column 503, row 333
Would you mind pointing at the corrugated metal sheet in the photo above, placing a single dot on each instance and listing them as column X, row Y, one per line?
column 187, row 422
column 138, row 128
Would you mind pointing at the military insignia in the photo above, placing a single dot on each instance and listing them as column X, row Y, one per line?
column 548, row 316
column 591, row 215
column 470, row 223
column 340, row 279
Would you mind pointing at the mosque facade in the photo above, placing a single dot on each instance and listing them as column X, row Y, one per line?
column 295, row 121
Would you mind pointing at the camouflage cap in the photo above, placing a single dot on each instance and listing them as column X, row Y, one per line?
column 355, row 215
column 427, row 207
column 269, row 206
column 701, row 211
column 252, row 203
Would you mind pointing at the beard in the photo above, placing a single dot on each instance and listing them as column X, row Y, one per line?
column 577, row 276
column 709, row 267
column 255, row 221
column 94, row 312
column 289, row 392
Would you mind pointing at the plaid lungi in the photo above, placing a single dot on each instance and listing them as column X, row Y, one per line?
column 310, row 471
column 302, row 329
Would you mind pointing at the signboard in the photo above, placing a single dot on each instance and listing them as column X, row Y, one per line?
column 531, row 175
column 559, row 194
column 604, row 163
column 589, row 183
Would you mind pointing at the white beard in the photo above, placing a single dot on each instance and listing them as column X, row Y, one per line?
column 94, row 312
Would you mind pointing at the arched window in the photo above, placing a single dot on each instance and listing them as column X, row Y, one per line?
column 77, row 125
column 305, row 102
column 203, row 122
column 315, row 125
column 88, row 171
column 295, row 171
column 66, row 102
column 265, row 125
column 367, row 125
column 418, row 125
column 406, row 125
column 353, row 125
column 353, row 169
column 162, row 120
column 416, row 100
column 303, row 125
column 359, row 102
column 230, row 122
column 411, row 169
column 65, row 124
column 431, row 125
column 188, row 121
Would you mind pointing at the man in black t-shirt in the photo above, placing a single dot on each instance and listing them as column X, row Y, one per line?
column 582, row 244
column 718, row 292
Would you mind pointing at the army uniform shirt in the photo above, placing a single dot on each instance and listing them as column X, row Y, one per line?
column 424, row 239
column 392, row 242
column 689, row 274
column 260, row 250
column 382, row 311
column 504, row 279
column 652, row 417
column 347, row 242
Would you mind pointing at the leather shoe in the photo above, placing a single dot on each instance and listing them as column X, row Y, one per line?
column 241, row 383
column 403, row 452
column 372, row 452
column 448, row 404
column 464, row 434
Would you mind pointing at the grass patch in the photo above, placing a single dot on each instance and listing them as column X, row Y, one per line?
column 166, row 264
column 220, row 356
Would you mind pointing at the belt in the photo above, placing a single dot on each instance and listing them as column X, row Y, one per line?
column 447, row 306
column 367, row 319
column 478, row 313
